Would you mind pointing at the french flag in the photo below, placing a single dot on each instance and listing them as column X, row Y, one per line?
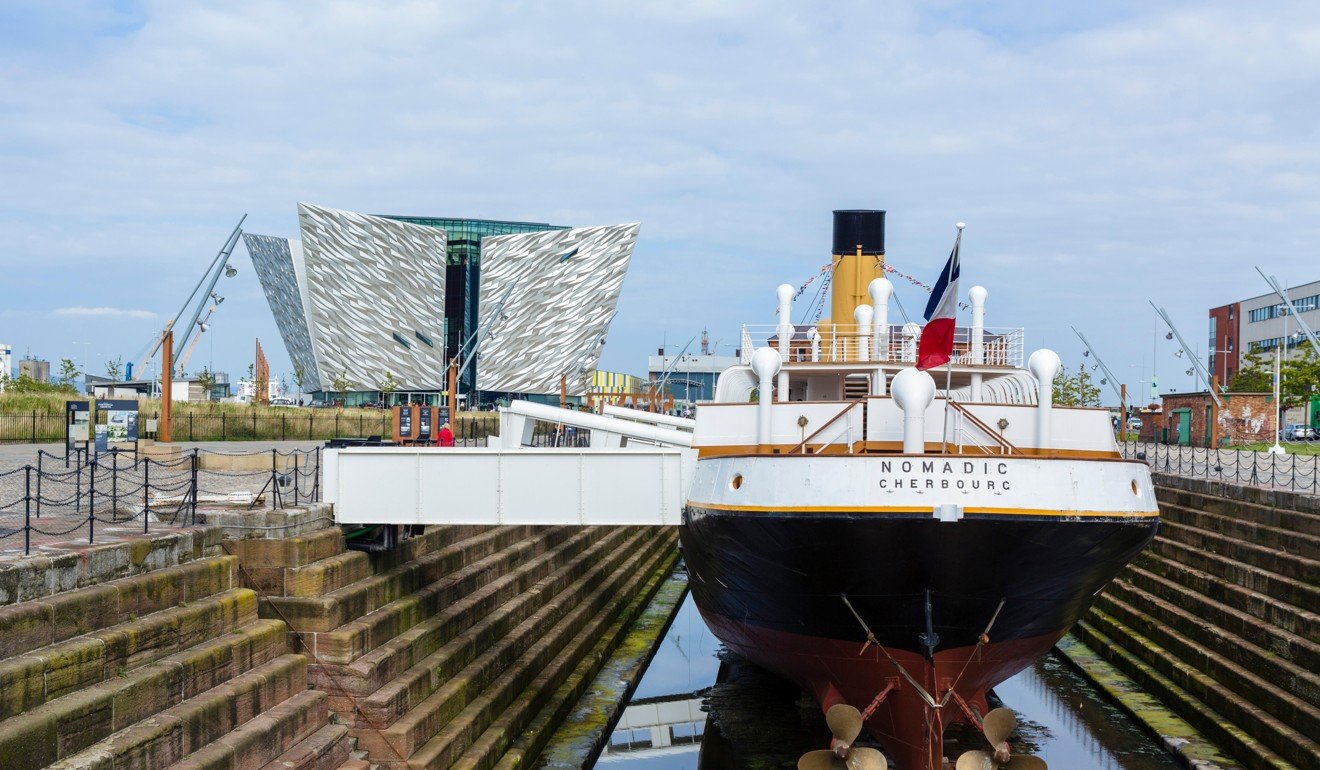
column 936, row 345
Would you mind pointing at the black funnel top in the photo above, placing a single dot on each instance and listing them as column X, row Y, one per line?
column 864, row 227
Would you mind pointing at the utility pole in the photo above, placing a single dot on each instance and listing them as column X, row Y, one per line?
column 166, row 386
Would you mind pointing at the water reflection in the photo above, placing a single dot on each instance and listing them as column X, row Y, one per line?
column 758, row 721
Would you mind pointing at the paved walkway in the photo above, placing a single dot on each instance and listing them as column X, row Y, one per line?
column 128, row 496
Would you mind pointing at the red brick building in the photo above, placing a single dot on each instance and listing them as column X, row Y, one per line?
column 1193, row 419
column 1225, row 338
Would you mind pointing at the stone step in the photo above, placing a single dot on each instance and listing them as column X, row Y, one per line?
column 498, row 551
column 1277, row 587
column 1269, row 559
column 263, row 553
column 40, row 622
column 47, row 673
column 481, row 624
column 320, row 577
column 1287, row 517
column 334, row 609
column 521, row 732
column 541, row 669
column 325, row 749
column 434, row 539
column 1272, row 732
column 70, row 723
column 81, row 565
column 543, row 633
column 1216, row 651
column 474, row 594
column 1271, row 612
column 267, row 736
column 1216, row 727
column 1263, row 535
column 173, row 734
column 1269, row 636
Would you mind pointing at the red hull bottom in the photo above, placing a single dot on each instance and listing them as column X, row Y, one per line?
column 834, row 672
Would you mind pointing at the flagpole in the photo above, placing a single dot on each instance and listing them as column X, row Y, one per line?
column 948, row 366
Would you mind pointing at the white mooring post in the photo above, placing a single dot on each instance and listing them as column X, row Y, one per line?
column 863, row 314
column 913, row 391
column 880, row 291
column 1044, row 365
column 785, row 294
column 766, row 363
column 977, row 295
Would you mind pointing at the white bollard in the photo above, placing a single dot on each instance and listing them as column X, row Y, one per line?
column 766, row 364
column 913, row 391
column 785, row 294
column 1044, row 365
column 880, row 291
column 863, row 315
column 977, row 295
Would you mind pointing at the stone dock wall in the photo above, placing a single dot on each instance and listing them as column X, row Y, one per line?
column 276, row 647
column 1218, row 618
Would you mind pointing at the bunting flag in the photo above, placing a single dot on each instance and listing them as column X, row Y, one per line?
column 936, row 345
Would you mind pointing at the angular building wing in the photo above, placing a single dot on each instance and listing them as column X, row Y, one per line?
column 547, row 301
column 375, row 293
column 278, row 263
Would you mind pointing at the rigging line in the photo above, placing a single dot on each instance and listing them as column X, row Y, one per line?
column 871, row 639
column 981, row 641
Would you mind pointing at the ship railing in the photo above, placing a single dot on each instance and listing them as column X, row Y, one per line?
column 814, row 444
column 845, row 343
column 963, row 418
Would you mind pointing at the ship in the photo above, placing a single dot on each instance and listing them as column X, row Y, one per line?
column 897, row 541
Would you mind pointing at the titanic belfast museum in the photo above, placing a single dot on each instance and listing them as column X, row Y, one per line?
column 362, row 300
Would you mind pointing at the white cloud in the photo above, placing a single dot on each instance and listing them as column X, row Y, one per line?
column 102, row 312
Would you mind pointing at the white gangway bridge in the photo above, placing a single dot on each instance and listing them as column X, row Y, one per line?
column 636, row 471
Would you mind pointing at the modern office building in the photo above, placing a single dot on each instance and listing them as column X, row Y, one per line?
column 373, row 307
column 689, row 378
column 1260, row 325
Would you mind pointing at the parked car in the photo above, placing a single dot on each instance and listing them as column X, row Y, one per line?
column 1134, row 423
column 1298, row 432
column 282, row 401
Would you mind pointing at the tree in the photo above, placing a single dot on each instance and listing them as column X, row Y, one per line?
column 1076, row 390
column 299, row 377
column 1255, row 377
column 341, row 383
column 69, row 372
column 206, row 379
column 387, row 385
column 114, row 367
column 1301, row 376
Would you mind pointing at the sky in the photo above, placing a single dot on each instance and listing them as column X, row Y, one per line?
column 1102, row 154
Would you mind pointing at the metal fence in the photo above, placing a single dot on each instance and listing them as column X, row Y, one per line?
column 258, row 425
column 52, row 499
column 1296, row 472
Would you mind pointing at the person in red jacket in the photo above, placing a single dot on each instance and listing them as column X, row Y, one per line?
column 445, row 437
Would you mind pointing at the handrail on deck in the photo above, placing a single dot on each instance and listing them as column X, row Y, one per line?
column 986, row 429
column 803, row 446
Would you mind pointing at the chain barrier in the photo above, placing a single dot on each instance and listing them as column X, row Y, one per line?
column 112, row 490
column 1291, row 471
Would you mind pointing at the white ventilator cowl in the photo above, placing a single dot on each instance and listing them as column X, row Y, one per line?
column 913, row 390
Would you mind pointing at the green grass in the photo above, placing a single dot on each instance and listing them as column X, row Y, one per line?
column 40, row 417
column 1291, row 447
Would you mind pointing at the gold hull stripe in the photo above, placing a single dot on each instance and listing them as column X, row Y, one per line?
column 909, row 509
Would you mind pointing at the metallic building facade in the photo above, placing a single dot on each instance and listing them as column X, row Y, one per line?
column 280, row 279
column 362, row 296
column 547, row 302
column 374, row 287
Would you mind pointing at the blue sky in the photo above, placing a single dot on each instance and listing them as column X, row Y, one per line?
column 1101, row 154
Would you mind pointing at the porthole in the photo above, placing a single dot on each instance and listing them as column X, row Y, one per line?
column 736, row 481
